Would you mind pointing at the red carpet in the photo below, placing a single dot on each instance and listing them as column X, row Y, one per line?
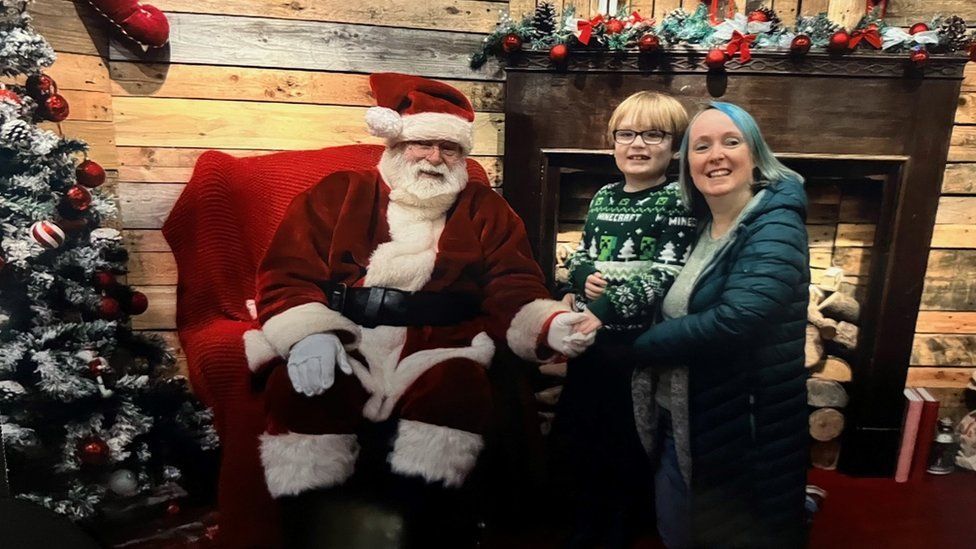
column 864, row 513
column 934, row 512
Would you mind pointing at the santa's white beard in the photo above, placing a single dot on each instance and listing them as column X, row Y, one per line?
column 411, row 187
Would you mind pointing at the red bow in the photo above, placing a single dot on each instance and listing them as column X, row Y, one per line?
column 584, row 29
column 869, row 34
column 740, row 43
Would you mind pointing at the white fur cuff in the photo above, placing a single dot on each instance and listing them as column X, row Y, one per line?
column 523, row 334
column 439, row 454
column 257, row 349
column 288, row 328
column 294, row 462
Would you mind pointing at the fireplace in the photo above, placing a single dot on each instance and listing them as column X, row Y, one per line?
column 870, row 137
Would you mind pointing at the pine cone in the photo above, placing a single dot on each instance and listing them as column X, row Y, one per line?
column 16, row 134
column 773, row 18
column 544, row 21
column 952, row 33
column 678, row 14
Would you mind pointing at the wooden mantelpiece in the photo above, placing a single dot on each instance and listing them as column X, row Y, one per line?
column 824, row 114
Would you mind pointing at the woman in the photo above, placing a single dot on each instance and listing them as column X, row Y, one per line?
column 722, row 407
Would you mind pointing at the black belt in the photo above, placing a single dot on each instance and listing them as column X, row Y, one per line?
column 378, row 306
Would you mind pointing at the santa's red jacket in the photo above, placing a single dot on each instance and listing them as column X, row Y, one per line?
column 346, row 230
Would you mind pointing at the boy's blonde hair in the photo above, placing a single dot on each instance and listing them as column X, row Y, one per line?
column 652, row 111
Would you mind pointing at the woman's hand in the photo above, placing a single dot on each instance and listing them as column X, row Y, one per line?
column 595, row 286
column 590, row 324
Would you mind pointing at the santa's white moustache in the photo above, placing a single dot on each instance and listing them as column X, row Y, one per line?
column 410, row 184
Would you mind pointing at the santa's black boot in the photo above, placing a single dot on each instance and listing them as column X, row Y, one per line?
column 436, row 516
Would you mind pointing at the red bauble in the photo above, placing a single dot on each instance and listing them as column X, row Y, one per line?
column 7, row 94
column 93, row 451
column 511, row 43
column 47, row 234
column 800, row 45
column 558, row 53
column 138, row 303
column 972, row 52
column 615, row 26
column 917, row 28
column 55, row 108
column 78, row 197
column 919, row 58
column 98, row 366
column 649, row 43
column 109, row 309
column 90, row 174
column 839, row 41
column 40, row 86
column 103, row 281
column 758, row 16
column 715, row 59
column 173, row 508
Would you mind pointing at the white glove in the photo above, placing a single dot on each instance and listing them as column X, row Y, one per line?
column 312, row 362
column 562, row 339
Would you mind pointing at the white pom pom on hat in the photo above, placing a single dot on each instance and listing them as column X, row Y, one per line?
column 384, row 122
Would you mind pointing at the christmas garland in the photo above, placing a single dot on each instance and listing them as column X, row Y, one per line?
column 737, row 36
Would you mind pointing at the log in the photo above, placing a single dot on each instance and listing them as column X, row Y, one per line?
column 554, row 369
column 825, row 392
column 545, row 422
column 814, row 350
column 831, row 279
column 846, row 337
column 834, row 368
column 816, row 295
column 841, row 306
column 826, row 326
column 826, row 424
column 823, row 455
column 550, row 396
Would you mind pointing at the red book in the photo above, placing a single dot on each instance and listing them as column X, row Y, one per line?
column 926, row 433
column 909, row 434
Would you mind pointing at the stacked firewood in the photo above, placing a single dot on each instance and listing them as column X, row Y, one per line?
column 831, row 340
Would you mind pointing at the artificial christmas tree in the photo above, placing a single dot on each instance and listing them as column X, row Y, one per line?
column 94, row 418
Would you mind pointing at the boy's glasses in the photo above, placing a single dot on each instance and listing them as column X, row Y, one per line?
column 650, row 137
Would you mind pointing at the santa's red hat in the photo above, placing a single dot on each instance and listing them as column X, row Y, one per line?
column 411, row 108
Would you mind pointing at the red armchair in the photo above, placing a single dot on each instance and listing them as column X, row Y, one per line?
column 219, row 230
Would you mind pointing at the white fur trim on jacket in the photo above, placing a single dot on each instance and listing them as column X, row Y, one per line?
column 257, row 349
column 434, row 452
column 406, row 261
column 387, row 380
column 432, row 126
column 291, row 326
column 294, row 462
column 525, row 329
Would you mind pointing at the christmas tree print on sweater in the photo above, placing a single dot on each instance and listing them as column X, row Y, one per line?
column 639, row 241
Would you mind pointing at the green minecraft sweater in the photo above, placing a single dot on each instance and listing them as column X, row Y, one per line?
column 638, row 241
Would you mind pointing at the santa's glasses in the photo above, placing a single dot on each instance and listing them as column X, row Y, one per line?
column 448, row 149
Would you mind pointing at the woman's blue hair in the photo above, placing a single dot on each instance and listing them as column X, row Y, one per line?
column 769, row 171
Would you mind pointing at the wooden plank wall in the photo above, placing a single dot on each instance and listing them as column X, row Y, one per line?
column 243, row 75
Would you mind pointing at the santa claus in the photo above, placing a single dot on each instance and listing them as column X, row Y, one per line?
column 404, row 278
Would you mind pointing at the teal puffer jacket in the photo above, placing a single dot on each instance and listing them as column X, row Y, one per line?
column 743, row 344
